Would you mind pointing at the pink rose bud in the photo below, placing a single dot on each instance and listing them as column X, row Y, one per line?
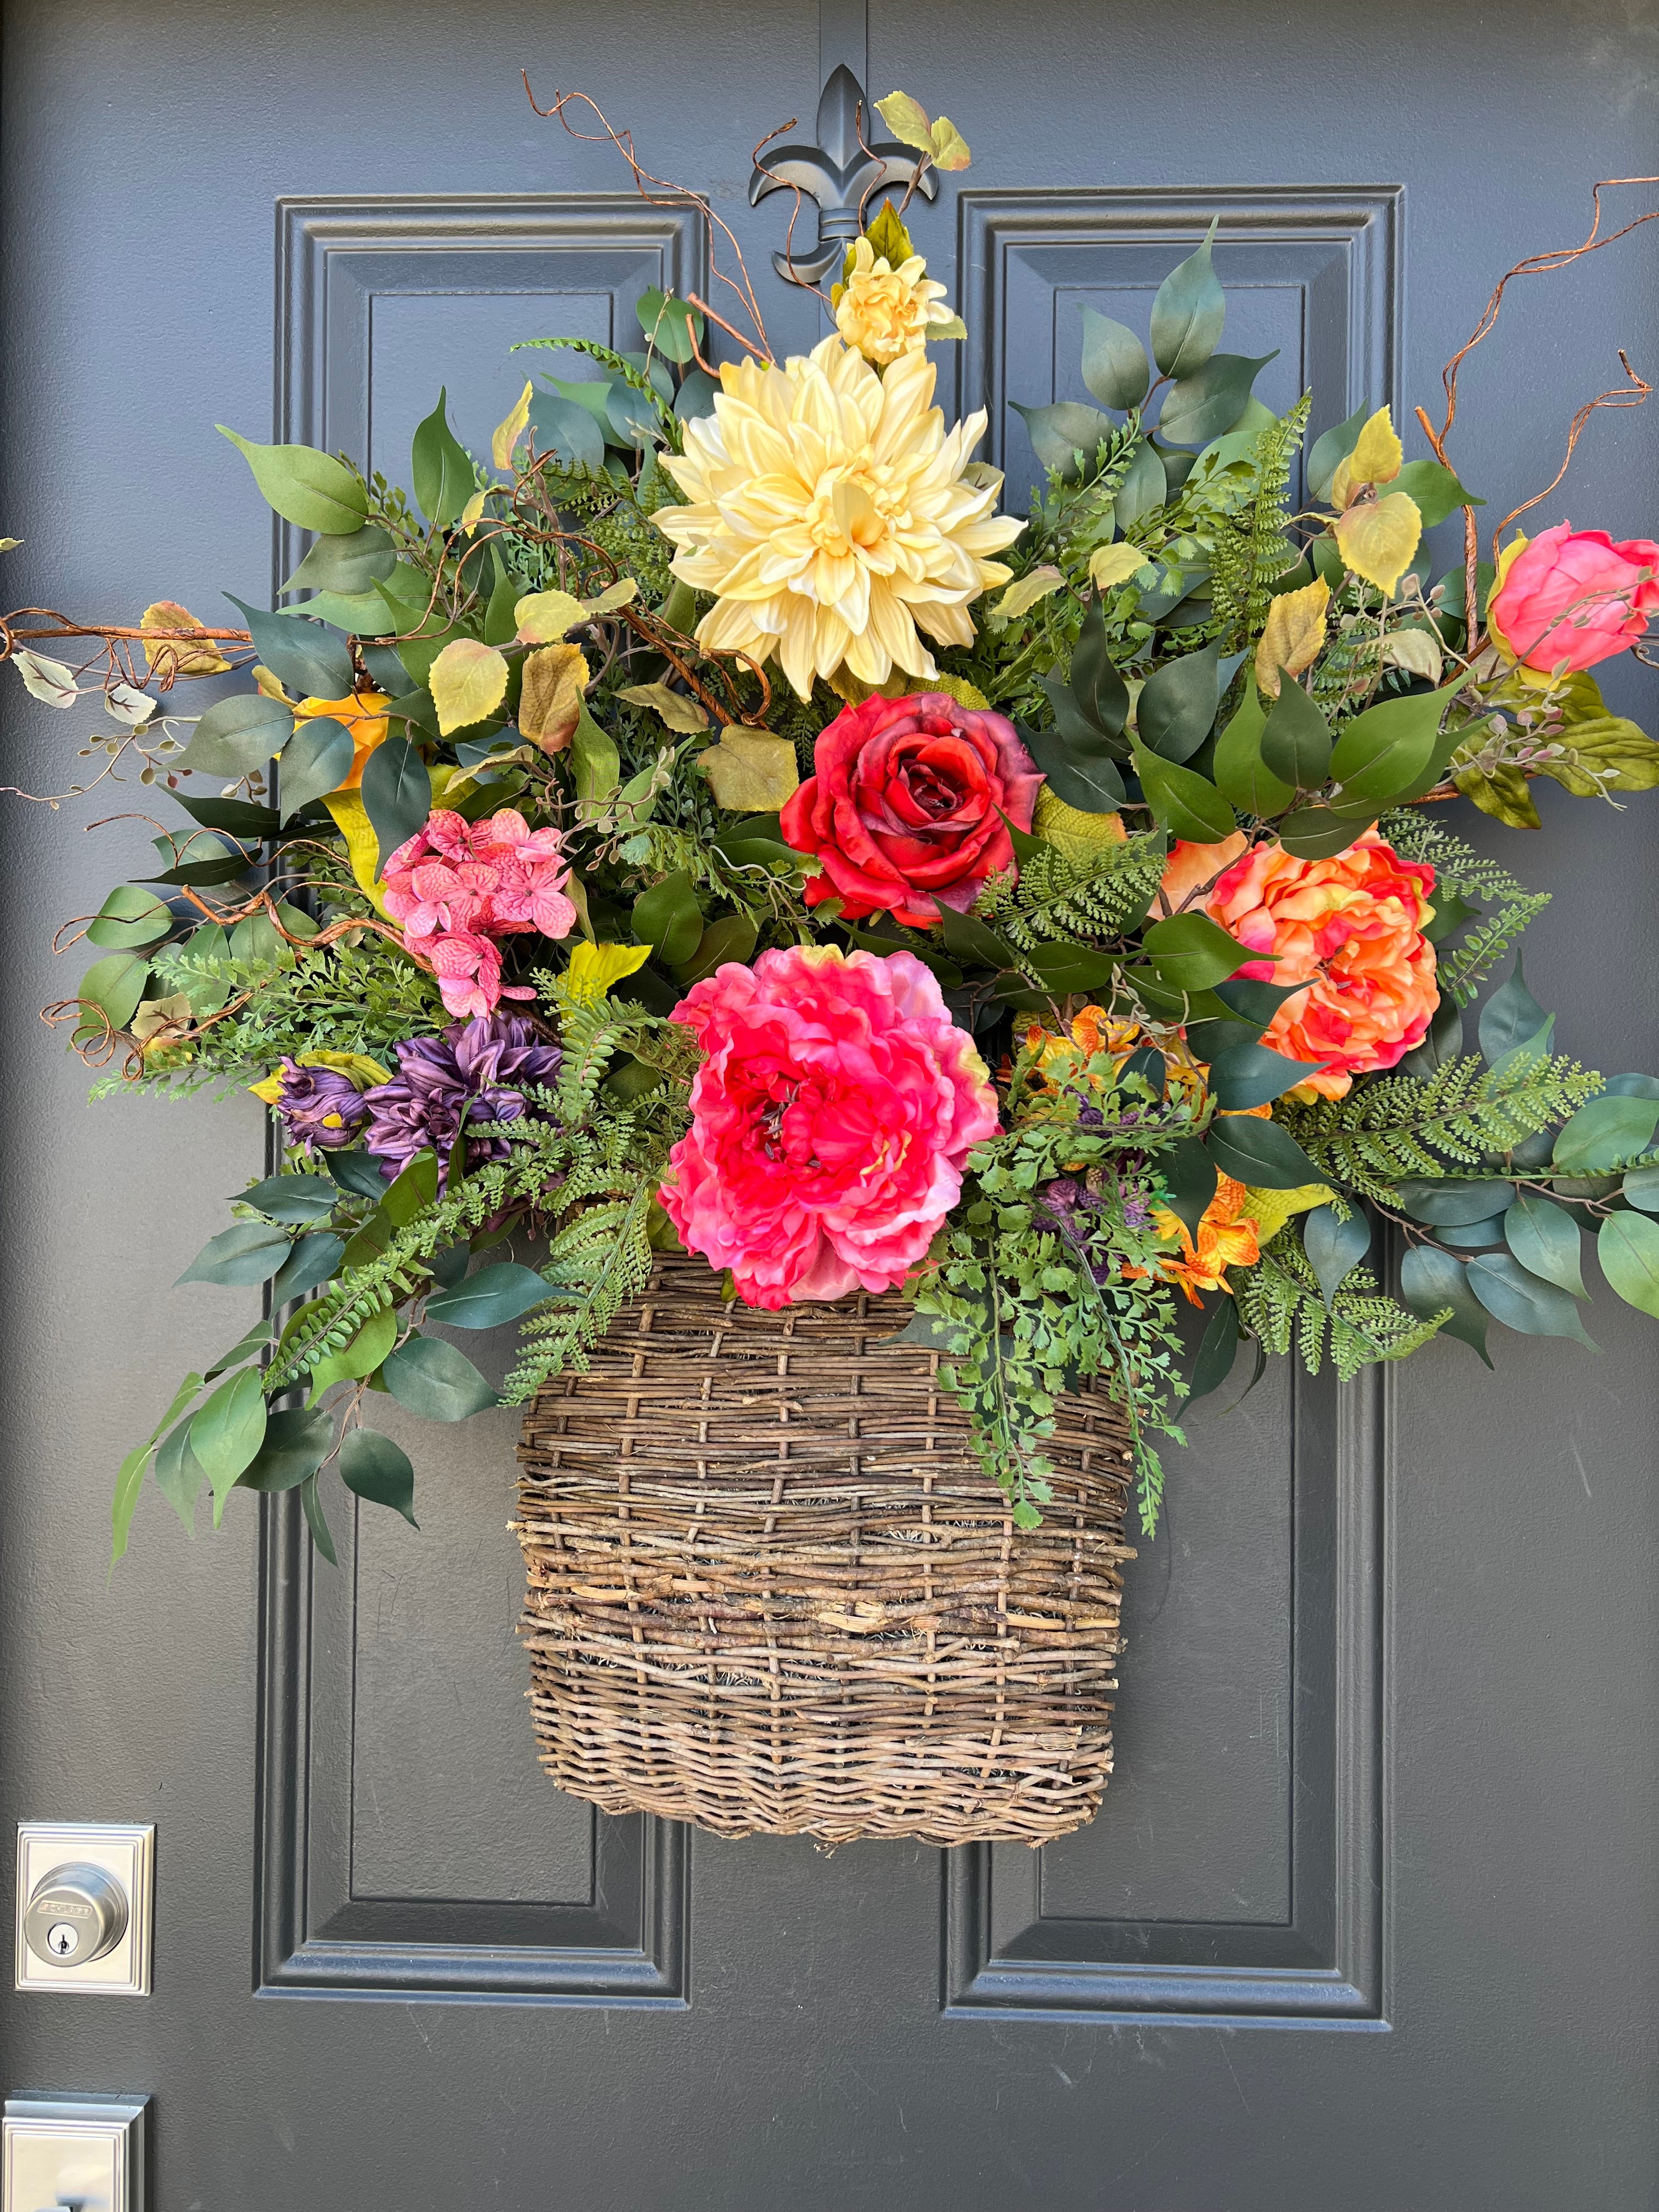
column 1569, row 598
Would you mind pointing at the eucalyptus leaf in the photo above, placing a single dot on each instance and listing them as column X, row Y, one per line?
column 1544, row 1238
column 1431, row 1281
column 1510, row 1017
column 249, row 1252
column 1199, row 407
column 1334, row 1248
column 301, row 655
column 1601, row 1136
column 397, row 794
column 297, row 1200
column 1189, row 312
column 317, row 759
column 436, row 1380
column 295, row 1444
column 228, row 1431
column 237, row 736
column 1628, row 1246
column 498, row 1294
column 1065, row 435
column 1453, row 1203
column 1114, row 364
column 1523, row 1302
column 348, row 567
column 376, row 1468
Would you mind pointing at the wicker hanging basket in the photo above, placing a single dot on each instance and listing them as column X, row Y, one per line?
column 771, row 1591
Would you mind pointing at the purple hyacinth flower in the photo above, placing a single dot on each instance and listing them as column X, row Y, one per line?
column 477, row 1068
column 319, row 1107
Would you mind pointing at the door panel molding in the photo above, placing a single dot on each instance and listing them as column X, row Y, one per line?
column 1337, row 250
column 623, row 1941
column 1325, row 1966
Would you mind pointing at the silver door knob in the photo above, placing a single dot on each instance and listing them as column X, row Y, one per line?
column 76, row 1913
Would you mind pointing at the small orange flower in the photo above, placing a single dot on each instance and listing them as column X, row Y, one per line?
column 1227, row 1238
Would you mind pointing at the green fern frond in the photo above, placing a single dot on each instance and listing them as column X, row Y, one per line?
column 1279, row 1302
column 1056, row 896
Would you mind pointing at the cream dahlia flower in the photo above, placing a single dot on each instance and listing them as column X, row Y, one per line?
column 882, row 312
column 829, row 516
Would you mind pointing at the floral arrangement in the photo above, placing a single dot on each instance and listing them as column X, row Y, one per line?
column 709, row 819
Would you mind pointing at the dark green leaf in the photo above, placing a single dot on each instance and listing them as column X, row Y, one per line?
column 247, row 1252
column 1627, row 1245
column 1452, row 1203
column 1334, row 1248
column 1510, row 1017
column 1217, row 1351
column 1317, row 833
column 695, row 397
column 1145, row 485
column 1296, row 742
column 440, row 470
column 130, row 920
column 975, row 942
column 1631, row 1087
column 315, row 1521
column 1602, row 1135
column 1524, row 1303
column 244, row 1348
column 306, row 659
column 178, row 1475
column 314, row 1260
column 1431, row 1280
column 1191, row 952
column 1241, row 773
column 115, row 986
column 310, row 490
column 1544, row 1238
column 1060, row 433
column 1255, row 1002
column 566, row 430
column 1177, row 705
column 296, row 1198
column 436, row 1381
column 1189, row 312
column 242, row 819
column 359, row 1172
column 1081, row 770
column 316, row 759
column 237, row 736
column 397, row 796
column 1248, row 1075
column 349, row 566
column 1474, row 1236
column 1211, row 400
column 1114, row 364
column 1332, row 446
column 1433, row 491
column 732, row 937
column 296, row 1445
column 1444, row 1042
column 500, row 1293
column 668, row 918
column 1262, row 1154
column 1189, row 1181
column 1069, row 968
column 413, row 1191
column 1185, row 803
column 379, row 1470
column 227, row 1432
column 1383, row 753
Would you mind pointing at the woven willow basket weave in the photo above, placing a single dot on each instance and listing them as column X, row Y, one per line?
column 770, row 1590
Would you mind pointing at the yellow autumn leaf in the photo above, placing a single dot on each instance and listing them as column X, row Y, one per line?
column 594, row 969
column 1377, row 539
column 472, row 513
column 1116, row 564
column 1417, row 650
column 468, row 681
column 551, row 701
column 1271, row 1209
column 362, row 846
column 1294, row 636
column 510, row 429
column 959, row 688
column 908, row 120
column 671, row 708
column 269, row 686
column 544, row 617
column 622, row 593
column 364, row 1072
column 173, row 655
column 270, row 1090
column 949, row 147
column 1071, row 831
column 751, row 771
column 1377, row 452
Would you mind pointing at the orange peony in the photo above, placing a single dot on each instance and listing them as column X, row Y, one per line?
column 1352, row 928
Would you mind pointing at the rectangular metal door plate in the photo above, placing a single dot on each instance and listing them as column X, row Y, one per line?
column 125, row 1852
column 88, row 2152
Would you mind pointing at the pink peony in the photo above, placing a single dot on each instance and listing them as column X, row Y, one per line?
column 834, row 1109
column 1569, row 598
column 456, row 885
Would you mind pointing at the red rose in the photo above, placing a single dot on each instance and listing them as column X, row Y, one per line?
column 907, row 806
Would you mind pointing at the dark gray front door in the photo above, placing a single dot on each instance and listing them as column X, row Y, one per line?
column 1369, row 1918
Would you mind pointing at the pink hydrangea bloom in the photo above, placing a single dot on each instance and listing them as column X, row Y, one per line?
column 456, row 885
column 836, row 1105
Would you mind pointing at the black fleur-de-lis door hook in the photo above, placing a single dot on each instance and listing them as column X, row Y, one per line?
column 840, row 175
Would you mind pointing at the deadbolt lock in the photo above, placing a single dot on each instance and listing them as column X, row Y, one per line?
column 76, row 1913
